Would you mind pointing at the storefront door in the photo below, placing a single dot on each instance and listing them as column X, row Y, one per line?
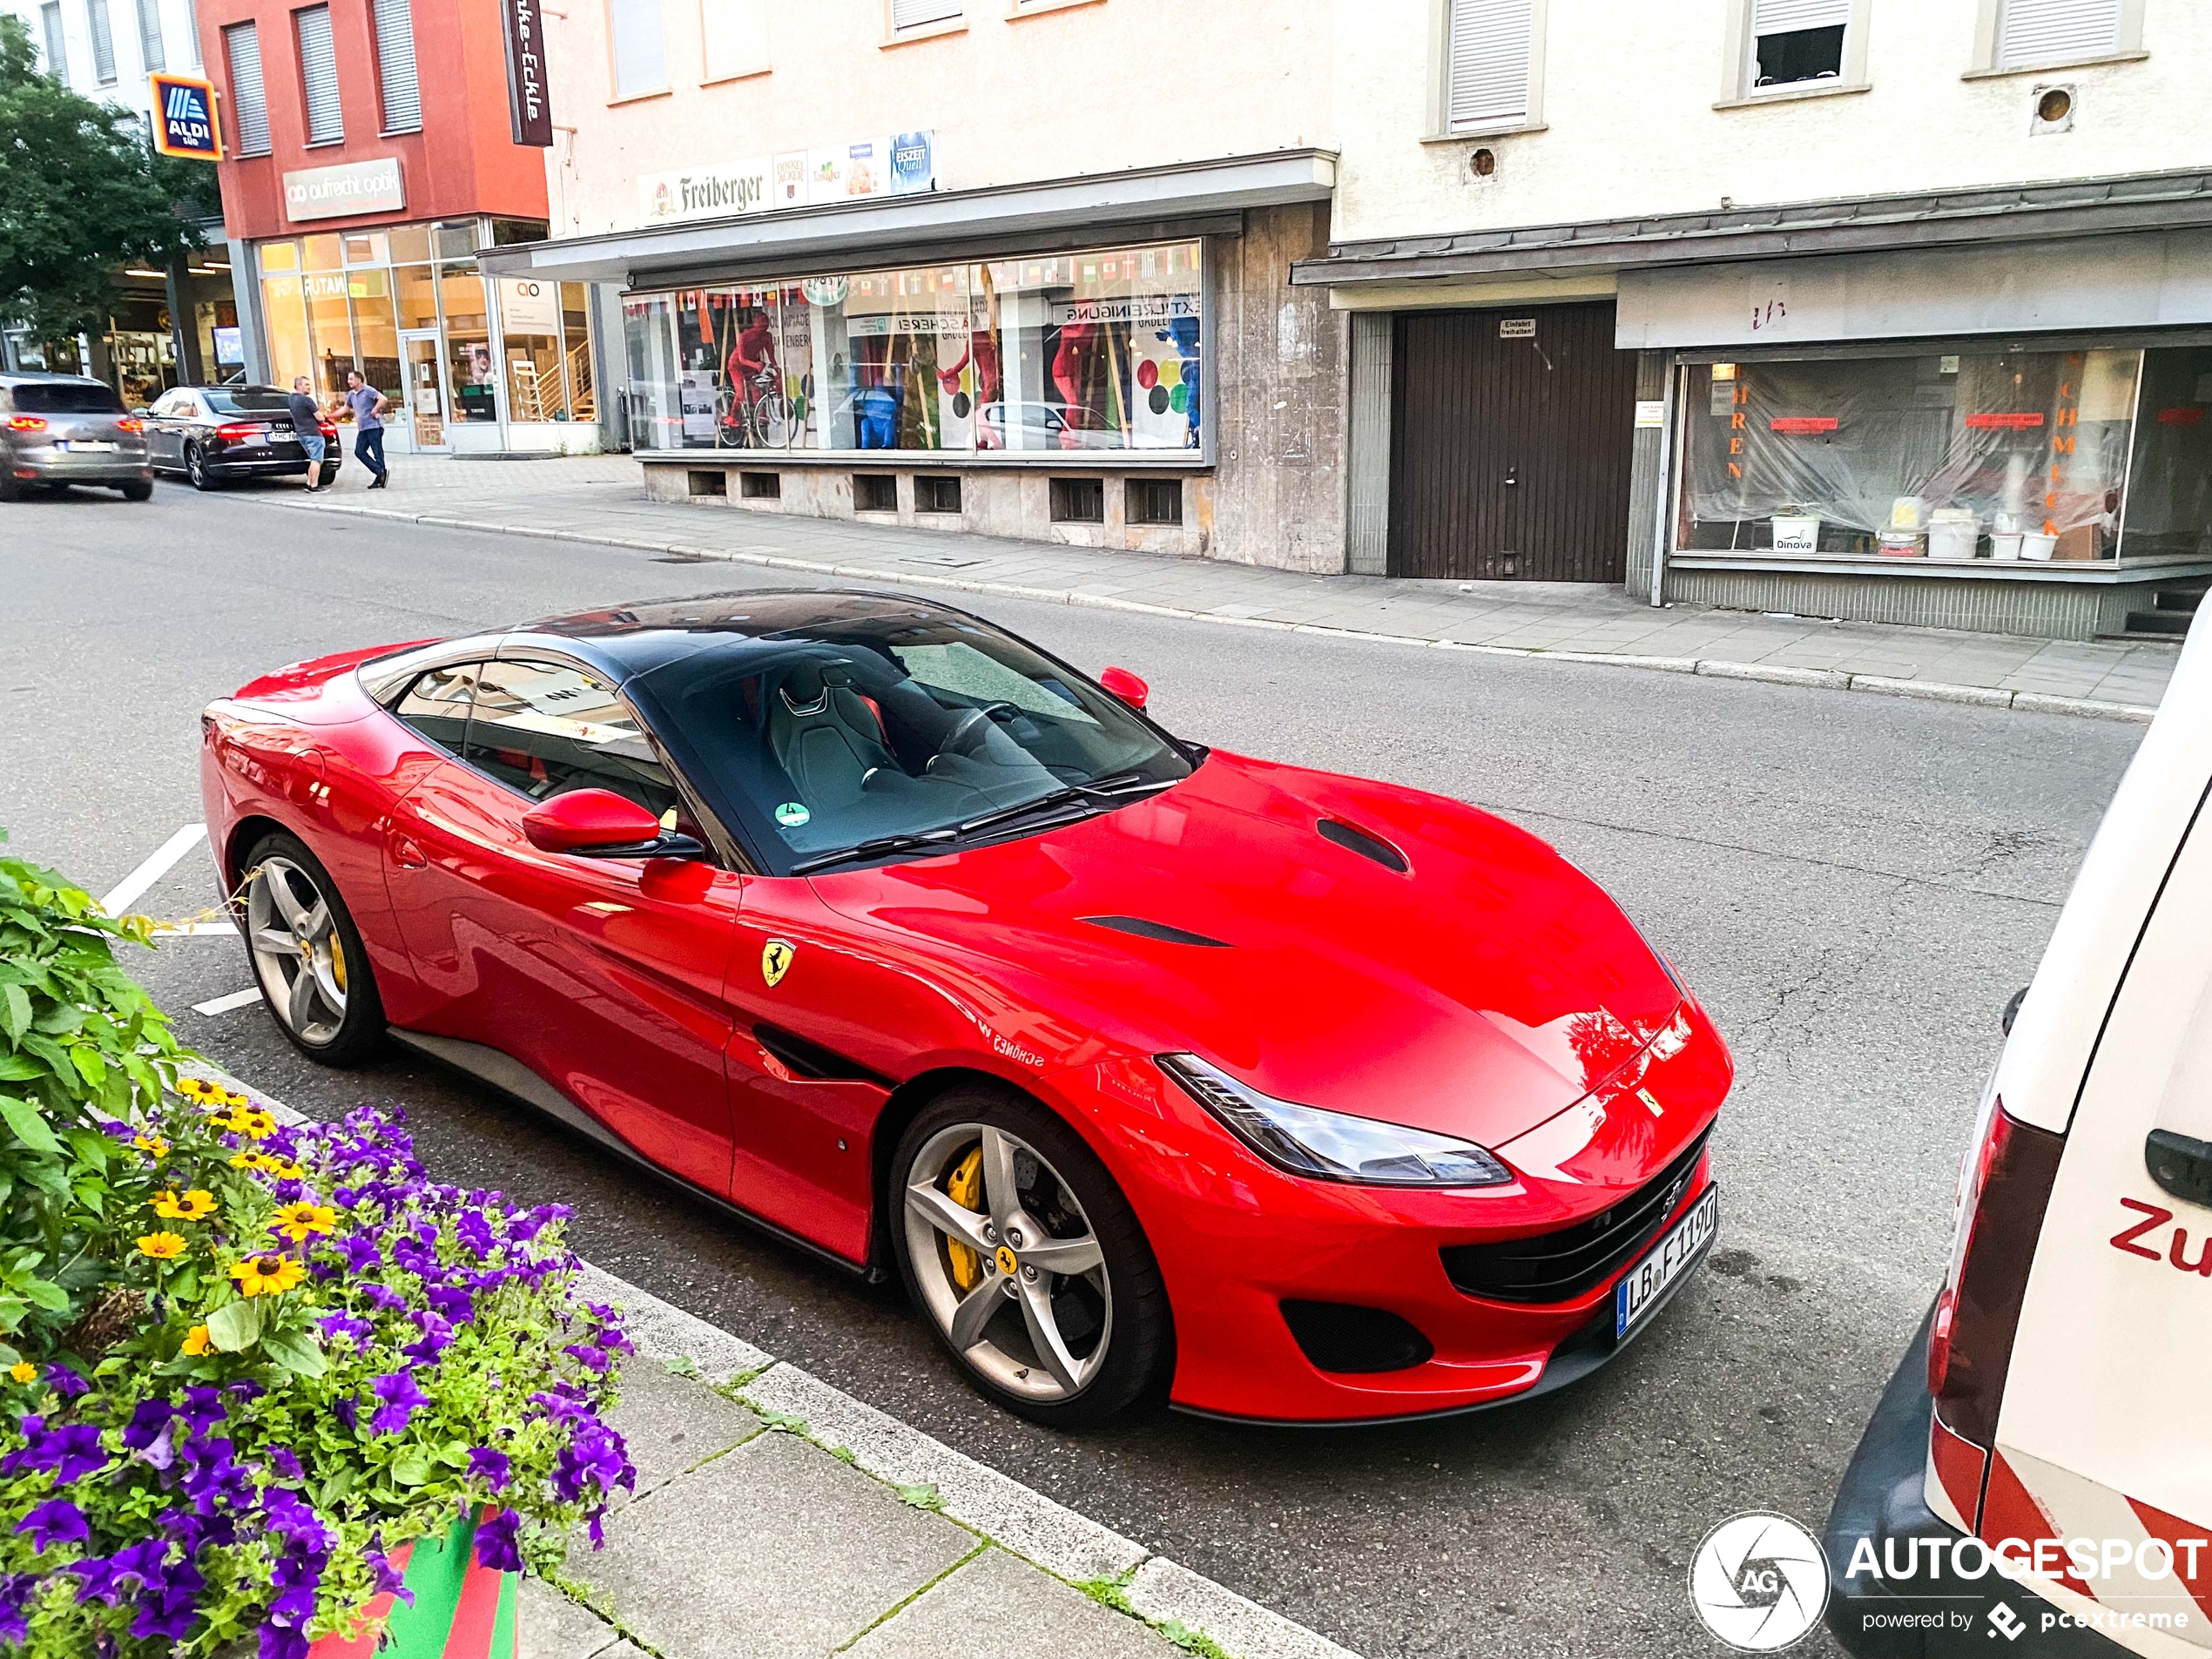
column 1511, row 437
column 426, row 393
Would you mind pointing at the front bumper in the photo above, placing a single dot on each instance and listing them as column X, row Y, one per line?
column 1883, row 1500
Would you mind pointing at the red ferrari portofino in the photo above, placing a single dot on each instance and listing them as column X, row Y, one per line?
column 1147, row 1067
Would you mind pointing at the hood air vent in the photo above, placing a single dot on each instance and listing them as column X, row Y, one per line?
column 1158, row 930
column 1366, row 846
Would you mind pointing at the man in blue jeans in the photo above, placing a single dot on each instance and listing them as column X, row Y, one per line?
column 307, row 421
column 368, row 406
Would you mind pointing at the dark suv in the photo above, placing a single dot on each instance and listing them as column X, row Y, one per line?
column 57, row 430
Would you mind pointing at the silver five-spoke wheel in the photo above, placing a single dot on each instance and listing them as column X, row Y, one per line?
column 297, row 952
column 1007, row 1263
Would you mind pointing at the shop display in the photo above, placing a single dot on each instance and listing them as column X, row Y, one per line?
column 1085, row 351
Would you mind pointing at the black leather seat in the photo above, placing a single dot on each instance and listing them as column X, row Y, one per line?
column 825, row 736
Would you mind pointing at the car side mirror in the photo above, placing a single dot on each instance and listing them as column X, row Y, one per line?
column 598, row 823
column 142, row 414
column 1120, row 684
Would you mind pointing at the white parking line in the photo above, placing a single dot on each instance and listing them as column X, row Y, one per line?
column 133, row 886
column 225, row 1004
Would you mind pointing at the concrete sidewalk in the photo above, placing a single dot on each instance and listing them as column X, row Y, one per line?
column 602, row 498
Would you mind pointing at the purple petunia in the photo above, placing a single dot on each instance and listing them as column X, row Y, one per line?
column 437, row 1335
column 494, row 1468
column 335, row 1325
column 401, row 1399
column 56, row 1522
column 453, row 1302
column 361, row 1253
column 65, row 1382
column 72, row 1451
column 146, row 1423
column 202, row 1410
column 497, row 1544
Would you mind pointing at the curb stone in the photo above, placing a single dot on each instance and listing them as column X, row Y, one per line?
column 1156, row 1591
column 1777, row 674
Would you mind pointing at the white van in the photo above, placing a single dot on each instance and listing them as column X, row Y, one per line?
column 2056, row 1414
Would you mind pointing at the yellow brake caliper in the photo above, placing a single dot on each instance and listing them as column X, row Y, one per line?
column 337, row 961
column 965, row 1188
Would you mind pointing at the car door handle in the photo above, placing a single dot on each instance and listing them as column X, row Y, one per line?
column 407, row 854
column 2182, row 1164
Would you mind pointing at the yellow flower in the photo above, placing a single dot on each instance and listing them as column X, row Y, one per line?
column 296, row 1221
column 267, row 1274
column 196, row 1205
column 196, row 1341
column 267, row 1164
column 24, row 1371
column 191, row 1088
column 250, row 1121
column 152, row 1144
column 163, row 1247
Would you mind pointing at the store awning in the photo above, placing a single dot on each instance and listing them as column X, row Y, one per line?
column 2005, row 213
column 1143, row 202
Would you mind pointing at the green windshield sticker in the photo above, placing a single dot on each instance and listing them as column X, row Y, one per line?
column 791, row 814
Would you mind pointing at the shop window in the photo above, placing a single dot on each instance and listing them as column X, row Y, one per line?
column 2168, row 506
column 415, row 293
column 1795, row 42
column 1154, row 501
column 712, row 481
column 1995, row 454
column 875, row 492
column 330, row 323
column 1489, row 47
column 936, row 492
column 760, row 486
column 529, row 327
column 652, row 402
column 576, row 346
column 1078, row 501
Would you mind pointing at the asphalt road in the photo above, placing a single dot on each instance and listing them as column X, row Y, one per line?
column 1853, row 884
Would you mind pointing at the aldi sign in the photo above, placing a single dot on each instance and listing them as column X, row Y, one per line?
column 184, row 117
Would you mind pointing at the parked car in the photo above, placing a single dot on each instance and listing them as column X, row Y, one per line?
column 1149, row 1068
column 2050, row 1414
column 211, row 432
column 57, row 430
column 1045, row 426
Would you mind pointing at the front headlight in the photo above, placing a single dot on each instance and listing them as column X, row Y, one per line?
column 1334, row 1146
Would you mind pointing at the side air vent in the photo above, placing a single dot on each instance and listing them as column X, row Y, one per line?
column 811, row 1060
column 1158, row 930
column 1366, row 846
column 1351, row 1340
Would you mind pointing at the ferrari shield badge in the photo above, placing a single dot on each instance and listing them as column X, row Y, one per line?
column 775, row 959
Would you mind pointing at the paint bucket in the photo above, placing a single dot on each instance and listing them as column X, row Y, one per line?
column 2034, row 544
column 2005, row 545
column 1952, row 538
column 1797, row 533
column 1899, row 544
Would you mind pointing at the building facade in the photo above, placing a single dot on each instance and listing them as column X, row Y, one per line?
column 1013, row 265
column 167, row 327
column 1862, row 308
column 370, row 161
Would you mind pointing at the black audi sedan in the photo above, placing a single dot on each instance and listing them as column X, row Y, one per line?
column 212, row 433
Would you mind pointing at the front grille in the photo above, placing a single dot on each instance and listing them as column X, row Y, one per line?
column 1560, row 1266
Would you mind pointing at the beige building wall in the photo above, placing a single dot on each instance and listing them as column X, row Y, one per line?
column 1013, row 91
column 1640, row 109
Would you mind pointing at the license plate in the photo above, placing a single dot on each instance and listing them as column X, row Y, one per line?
column 80, row 445
column 1647, row 1283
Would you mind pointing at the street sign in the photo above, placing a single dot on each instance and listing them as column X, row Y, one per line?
column 185, row 122
column 529, row 114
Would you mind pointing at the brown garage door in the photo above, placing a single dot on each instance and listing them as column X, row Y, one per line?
column 1510, row 450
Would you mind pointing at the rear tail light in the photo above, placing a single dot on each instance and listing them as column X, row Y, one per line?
column 236, row 434
column 2002, row 1195
column 130, row 424
column 328, row 431
column 26, row 423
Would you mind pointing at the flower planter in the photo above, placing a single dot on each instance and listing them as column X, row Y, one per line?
column 462, row 1608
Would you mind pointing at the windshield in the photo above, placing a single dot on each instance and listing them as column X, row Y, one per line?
column 247, row 399
column 884, row 728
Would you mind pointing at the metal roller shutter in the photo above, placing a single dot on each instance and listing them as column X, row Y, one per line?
column 103, row 41
column 912, row 14
column 396, row 66
column 2038, row 31
column 1489, row 80
column 319, row 76
column 249, row 105
column 1787, row 17
column 150, row 35
column 57, row 41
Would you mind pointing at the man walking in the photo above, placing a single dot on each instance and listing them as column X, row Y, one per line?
column 368, row 406
column 307, row 421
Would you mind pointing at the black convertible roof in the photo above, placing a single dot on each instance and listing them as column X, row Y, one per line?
column 631, row 639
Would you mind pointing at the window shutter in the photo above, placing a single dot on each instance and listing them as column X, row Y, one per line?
column 319, row 76
column 249, row 106
column 150, row 34
column 192, row 30
column 103, row 41
column 57, row 40
column 1489, row 62
column 641, row 55
column 1786, row 16
column 912, row 14
column 2037, row 31
column 396, row 65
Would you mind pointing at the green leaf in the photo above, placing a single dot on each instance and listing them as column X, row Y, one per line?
column 15, row 1011
column 29, row 1128
column 90, row 1066
column 235, row 1326
column 412, row 1467
column 294, row 1350
column 43, row 1294
column 14, row 1068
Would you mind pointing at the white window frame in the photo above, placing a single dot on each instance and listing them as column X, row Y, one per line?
column 1990, row 15
column 617, row 92
column 153, row 51
column 1739, row 60
column 54, row 39
column 1439, row 111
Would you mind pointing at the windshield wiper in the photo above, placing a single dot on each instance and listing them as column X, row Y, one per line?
column 1099, row 789
column 936, row 838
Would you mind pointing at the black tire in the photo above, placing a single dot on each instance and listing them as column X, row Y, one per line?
column 359, row 1031
column 137, row 489
column 10, row 489
column 196, row 472
column 1140, row 1333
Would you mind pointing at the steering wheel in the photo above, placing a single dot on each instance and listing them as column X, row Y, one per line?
column 969, row 731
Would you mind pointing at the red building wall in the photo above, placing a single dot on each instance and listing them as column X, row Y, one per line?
column 462, row 161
